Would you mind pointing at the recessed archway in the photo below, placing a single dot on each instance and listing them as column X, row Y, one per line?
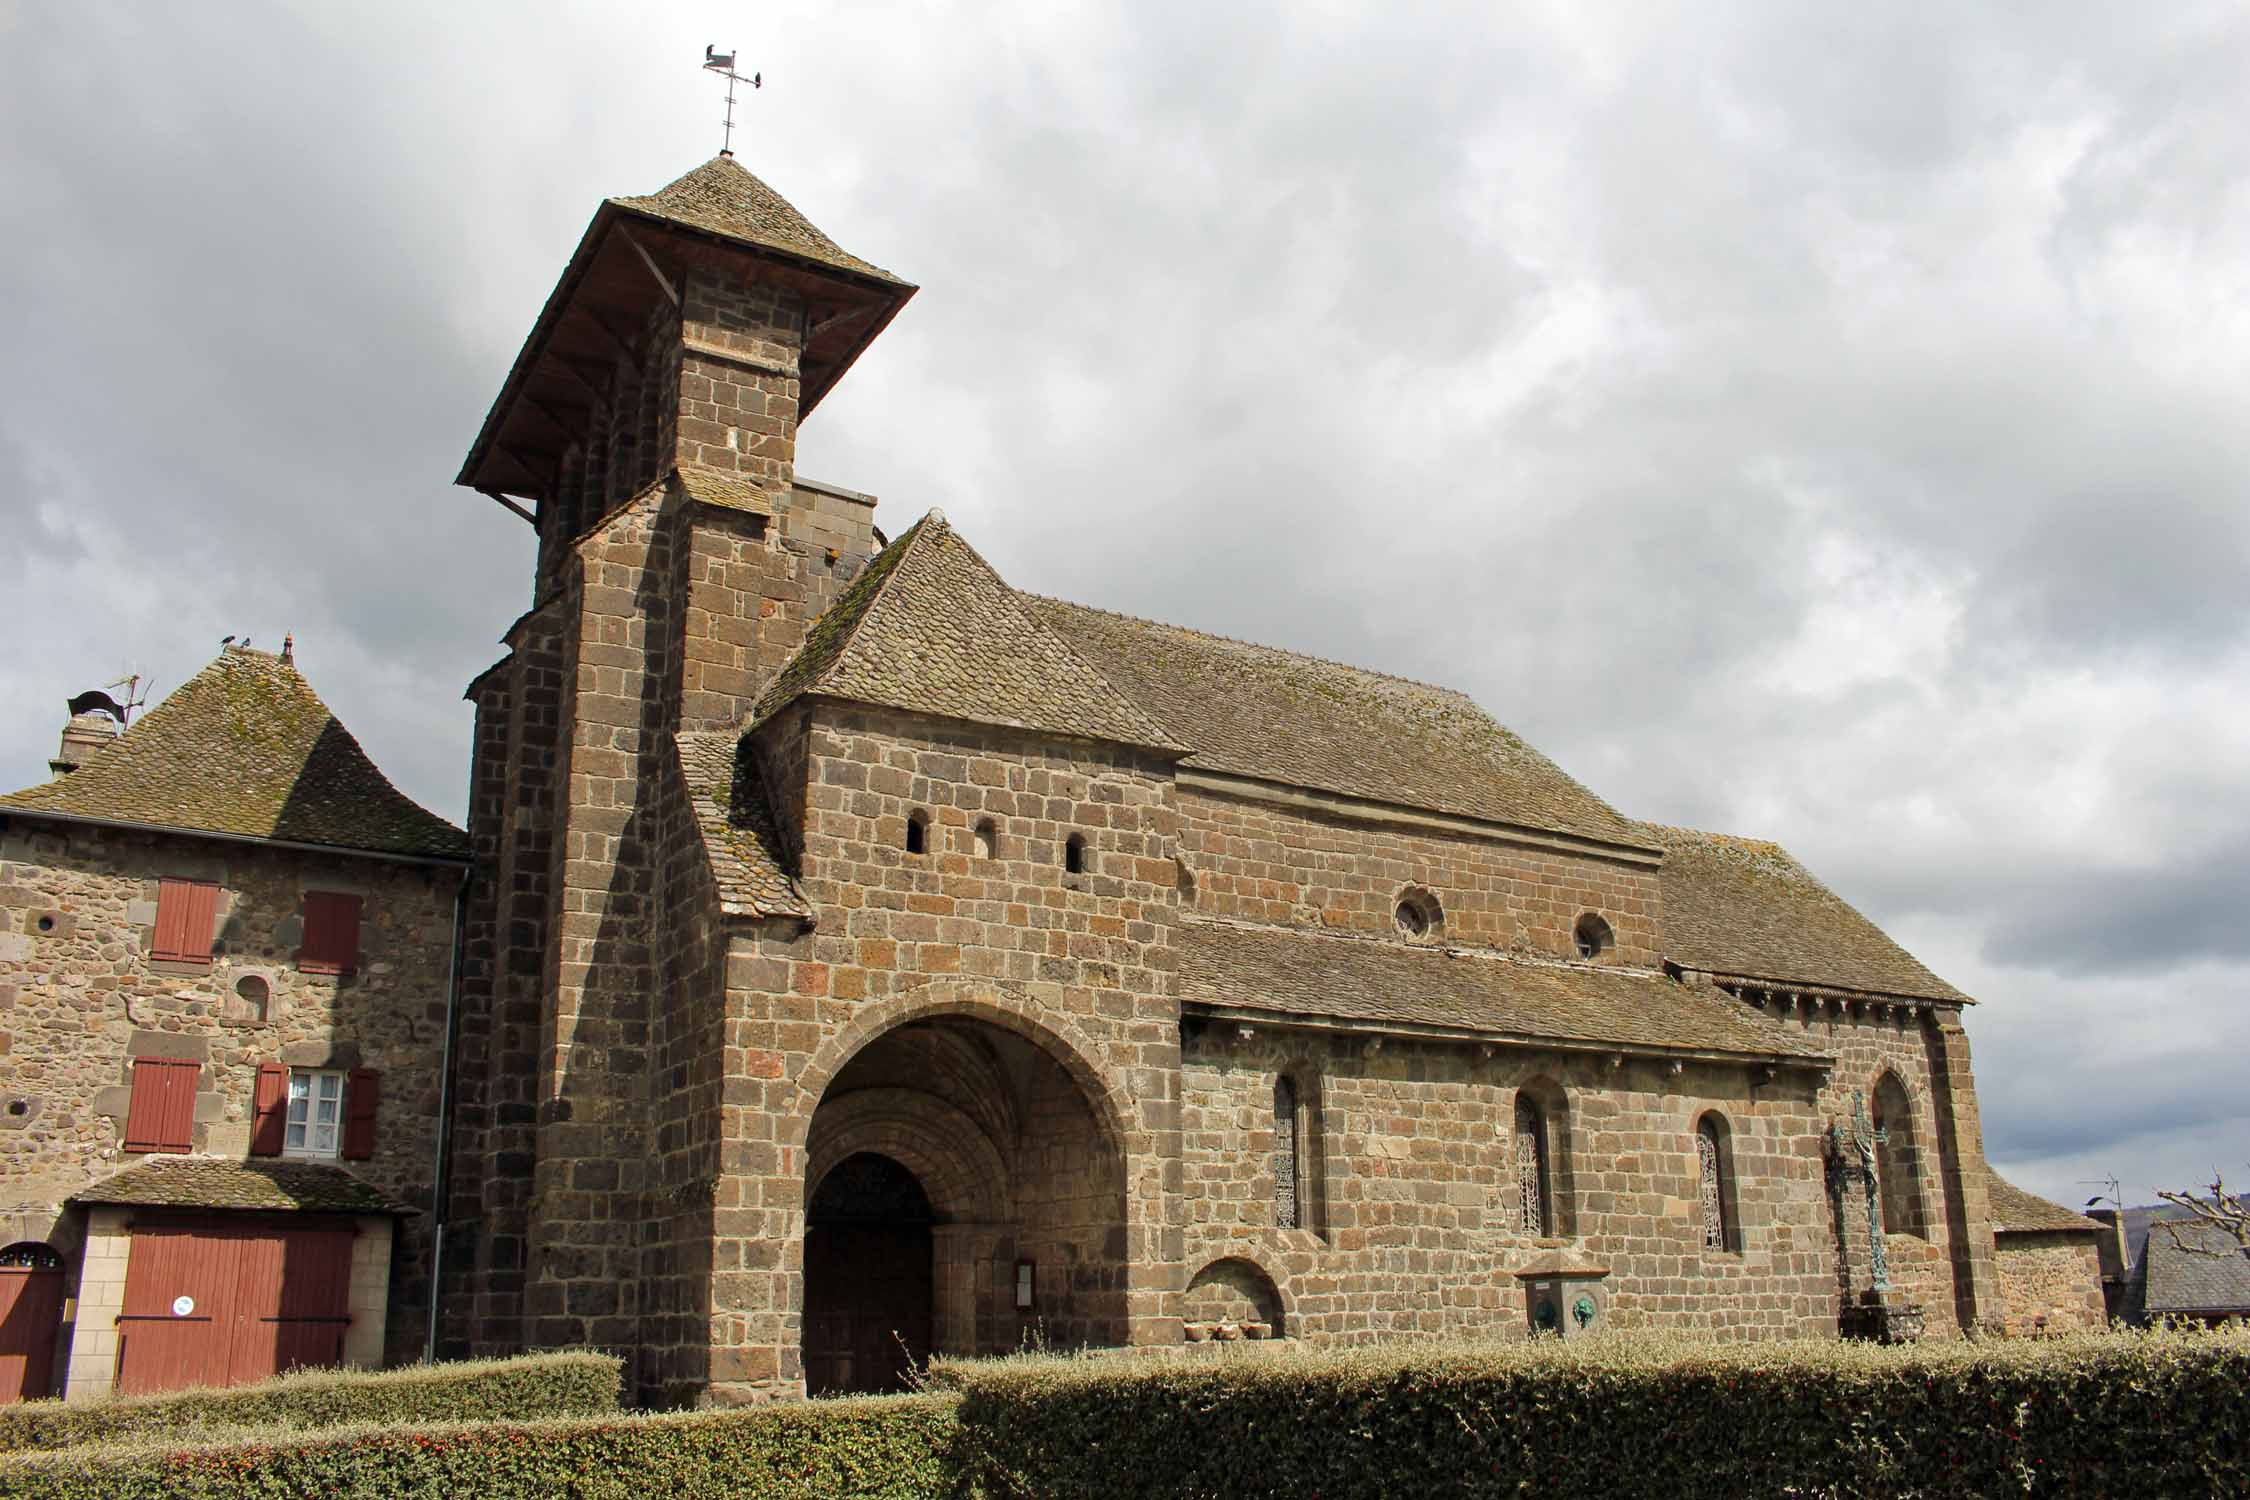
column 1017, row 1167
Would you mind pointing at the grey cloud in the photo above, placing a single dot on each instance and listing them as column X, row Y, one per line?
column 1550, row 357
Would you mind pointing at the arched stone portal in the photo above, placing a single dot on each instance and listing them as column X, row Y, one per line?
column 1015, row 1168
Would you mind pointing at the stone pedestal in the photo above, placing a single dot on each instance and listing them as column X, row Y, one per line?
column 1883, row 1321
column 1564, row 1295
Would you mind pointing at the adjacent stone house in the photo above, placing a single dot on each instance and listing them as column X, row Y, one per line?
column 866, row 953
column 224, row 949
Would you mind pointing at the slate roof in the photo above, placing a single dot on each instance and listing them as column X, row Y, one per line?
column 2178, row 1279
column 1746, row 908
column 220, row 1182
column 1287, row 972
column 928, row 626
column 749, row 863
column 1275, row 715
column 2014, row 1209
column 725, row 197
column 246, row 747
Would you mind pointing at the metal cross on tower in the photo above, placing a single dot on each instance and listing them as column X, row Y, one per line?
column 722, row 63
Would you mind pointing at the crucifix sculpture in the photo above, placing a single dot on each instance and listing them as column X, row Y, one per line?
column 1864, row 1139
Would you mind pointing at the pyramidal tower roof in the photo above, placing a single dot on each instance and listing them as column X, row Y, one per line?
column 246, row 749
column 929, row 627
column 724, row 197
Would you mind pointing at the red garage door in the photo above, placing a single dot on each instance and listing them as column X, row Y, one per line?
column 220, row 1302
column 31, row 1295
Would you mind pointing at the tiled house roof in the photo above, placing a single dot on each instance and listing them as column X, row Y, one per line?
column 928, row 626
column 2204, row 1270
column 219, row 1182
column 725, row 197
column 748, row 861
column 1745, row 908
column 1254, row 711
column 246, row 748
column 1231, row 967
column 2015, row 1209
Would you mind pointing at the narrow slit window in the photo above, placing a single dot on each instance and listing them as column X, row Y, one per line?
column 988, row 839
column 1532, row 1200
column 1711, row 1171
column 918, row 832
column 1288, row 1194
column 1074, row 854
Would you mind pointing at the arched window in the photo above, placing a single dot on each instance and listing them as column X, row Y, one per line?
column 1288, row 1183
column 917, row 832
column 988, row 839
column 1534, row 1189
column 1898, row 1160
column 1715, row 1176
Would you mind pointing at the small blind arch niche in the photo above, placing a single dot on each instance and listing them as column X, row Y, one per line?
column 1898, row 1160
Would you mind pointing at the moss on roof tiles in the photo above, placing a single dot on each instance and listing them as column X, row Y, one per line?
column 725, row 197
column 741, row 838
column 2014, row 1209
column 246, row 748
column 1747, row 908
column 929, row 627
column 224, row 1182
column 1376, row 981
column 1256, row 711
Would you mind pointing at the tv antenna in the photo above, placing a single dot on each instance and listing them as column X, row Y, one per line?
column 722, row 63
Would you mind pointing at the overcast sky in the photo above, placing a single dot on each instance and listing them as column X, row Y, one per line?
column 1817, row 422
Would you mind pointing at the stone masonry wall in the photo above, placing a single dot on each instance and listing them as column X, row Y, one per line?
column 1077, row 964
column 1418, row 1229
column 1261, row 862
column 1933, row 1267
column 80, row 998
column 2050, row 1283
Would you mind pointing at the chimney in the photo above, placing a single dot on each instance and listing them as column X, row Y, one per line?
column 2111, row 1246
column 82, row 738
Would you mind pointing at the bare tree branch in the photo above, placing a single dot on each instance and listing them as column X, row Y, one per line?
column 2216, row 1207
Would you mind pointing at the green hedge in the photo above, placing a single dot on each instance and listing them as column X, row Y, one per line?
column 894, row 1448
column 1663, row 1418
column 543, row 1385
column 2102, row 1415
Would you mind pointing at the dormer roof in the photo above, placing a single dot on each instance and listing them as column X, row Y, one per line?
column 929, row 627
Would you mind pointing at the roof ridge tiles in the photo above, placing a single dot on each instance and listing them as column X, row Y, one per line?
column 1232, row 640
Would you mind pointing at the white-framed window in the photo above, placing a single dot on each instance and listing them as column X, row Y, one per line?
column 316, row 1113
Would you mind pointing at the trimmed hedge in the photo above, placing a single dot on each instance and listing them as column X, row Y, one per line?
column 886, row 1448
column 2097, row 1415
column 581, row 1384
column 1663, row 1417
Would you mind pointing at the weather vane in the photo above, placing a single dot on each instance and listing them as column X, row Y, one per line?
column 722, row 63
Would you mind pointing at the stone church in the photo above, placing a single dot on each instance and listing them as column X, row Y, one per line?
column 862, row 958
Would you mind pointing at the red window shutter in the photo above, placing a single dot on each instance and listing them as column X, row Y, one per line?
column 331, row 933
column 269, row 1115
column 362, row 1090
column 162, row 1114
column 186, row 912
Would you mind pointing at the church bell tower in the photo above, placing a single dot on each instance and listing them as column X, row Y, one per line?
column 648, row 429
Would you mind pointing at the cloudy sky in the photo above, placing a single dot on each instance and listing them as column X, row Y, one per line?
column 1820, row 422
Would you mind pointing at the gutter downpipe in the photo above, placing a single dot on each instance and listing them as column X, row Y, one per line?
column 442, row 1170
